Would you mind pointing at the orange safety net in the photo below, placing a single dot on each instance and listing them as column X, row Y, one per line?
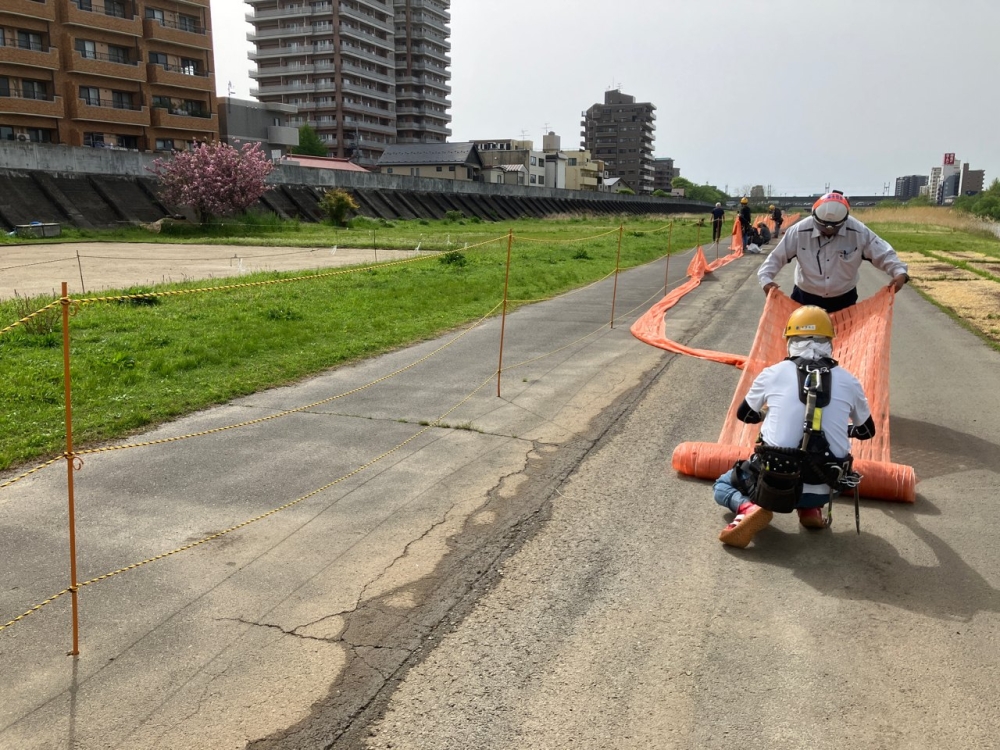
column 650, row 327
column 862, row 347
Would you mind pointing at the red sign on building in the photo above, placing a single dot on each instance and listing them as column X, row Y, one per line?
column 949, row 158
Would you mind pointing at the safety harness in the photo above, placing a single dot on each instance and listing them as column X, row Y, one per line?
column 773, row 477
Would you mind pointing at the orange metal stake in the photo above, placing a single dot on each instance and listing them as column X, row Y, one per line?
column 69, row 472
column 614, row 293
column 503, row 317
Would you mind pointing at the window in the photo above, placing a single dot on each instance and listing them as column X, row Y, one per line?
column 154, row 13
column 86, row 48
column 39, row 135
column 114, row 8
column 158, row 58
column 187, row 23
column 414, row 171
column 84, row 5
column 438, row 169
column 534, row 161
column 533, row 179
column 121, row 100
column 194, row 108
column 95, row 140
column 571, row 161
column 29, row 40
column 33, row 89
column 2, row 42
column 91, row 95
column 541, row 179
column 164, row 144
column 6, row 133
column 387, row 171
column 128, row 141
column 451, row 168
column 118, row 54
column 4, row 86
column 189, row 67
column 161, row 102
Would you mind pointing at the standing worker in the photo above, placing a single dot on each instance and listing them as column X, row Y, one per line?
column 718, row 214
column 777, row 217
column 829, row 247
column 746, row 225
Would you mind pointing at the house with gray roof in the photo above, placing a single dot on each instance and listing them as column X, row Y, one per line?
column 444, row 161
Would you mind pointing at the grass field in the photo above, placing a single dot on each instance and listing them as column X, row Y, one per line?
column 141, row 361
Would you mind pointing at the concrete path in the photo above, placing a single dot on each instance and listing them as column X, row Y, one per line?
column 533, row 575
column 238, row 638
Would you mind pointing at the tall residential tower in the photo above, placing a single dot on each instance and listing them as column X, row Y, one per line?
column 363, row 73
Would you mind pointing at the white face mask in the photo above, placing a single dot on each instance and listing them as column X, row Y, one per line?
column 810, row 347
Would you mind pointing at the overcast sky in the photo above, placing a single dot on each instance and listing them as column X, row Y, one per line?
column 796, row 95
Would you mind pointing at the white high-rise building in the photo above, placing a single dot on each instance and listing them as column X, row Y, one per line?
column 363, row 73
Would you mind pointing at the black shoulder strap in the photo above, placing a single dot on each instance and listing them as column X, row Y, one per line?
column 815, row 375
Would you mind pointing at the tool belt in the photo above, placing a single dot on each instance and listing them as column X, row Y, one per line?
column 773, row 477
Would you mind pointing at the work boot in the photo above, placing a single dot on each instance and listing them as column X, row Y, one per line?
column 749, row 520
column 811, row 518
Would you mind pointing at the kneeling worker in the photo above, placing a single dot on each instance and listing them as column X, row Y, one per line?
column 809, row 407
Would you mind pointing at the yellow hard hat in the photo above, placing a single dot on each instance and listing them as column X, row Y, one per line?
column 809, row 320
column 771, row 207
column 744, row 200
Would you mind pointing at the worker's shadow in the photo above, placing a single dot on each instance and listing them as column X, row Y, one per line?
column 869, row 568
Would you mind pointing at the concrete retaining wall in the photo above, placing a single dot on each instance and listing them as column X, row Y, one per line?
column 87, row 187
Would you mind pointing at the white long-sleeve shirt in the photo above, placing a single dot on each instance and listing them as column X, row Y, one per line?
column 829, row 266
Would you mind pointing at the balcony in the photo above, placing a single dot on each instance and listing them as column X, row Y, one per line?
column 290, row 11
column 34, row 106
column 47, row 58
column 369, row 73
column 182, row 78
column 191, row 36
column 384, row 23
column 31, row 9
column 367, row 108
column 290, row 89
column 98, row 17
column 283, row 32
column 299, row 50
column 99, row 64
column 106, row 111
column 178, row 120
column 361, row 35
column 371, row 93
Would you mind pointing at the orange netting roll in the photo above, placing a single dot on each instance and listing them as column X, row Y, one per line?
column 862, row 347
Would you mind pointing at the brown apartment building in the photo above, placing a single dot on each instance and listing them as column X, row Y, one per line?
column 620, row 132
column 132, row 74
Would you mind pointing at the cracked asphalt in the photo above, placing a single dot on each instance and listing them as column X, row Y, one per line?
column 532, row 575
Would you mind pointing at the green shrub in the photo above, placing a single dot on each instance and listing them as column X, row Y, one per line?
column 454, row 216
column 337, row 204
column 453, row 258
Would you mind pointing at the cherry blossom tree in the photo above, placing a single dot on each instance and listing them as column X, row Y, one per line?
column 214, row 179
